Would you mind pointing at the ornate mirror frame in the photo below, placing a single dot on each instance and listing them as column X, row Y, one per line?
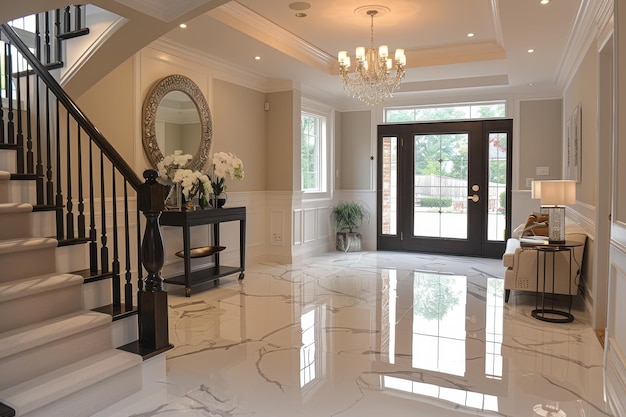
column 166, row 85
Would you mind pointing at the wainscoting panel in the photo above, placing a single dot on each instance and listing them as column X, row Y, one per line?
column 310, row 225
column 616, row 331
column 297, row 227
column 323, row 223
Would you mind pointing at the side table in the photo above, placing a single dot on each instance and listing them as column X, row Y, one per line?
column 552, row 314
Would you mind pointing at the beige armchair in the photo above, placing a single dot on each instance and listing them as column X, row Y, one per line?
column 521, row 264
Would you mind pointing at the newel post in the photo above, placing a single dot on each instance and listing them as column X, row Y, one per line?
column 152, row 299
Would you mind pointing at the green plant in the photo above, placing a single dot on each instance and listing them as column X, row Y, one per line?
column 349, row 215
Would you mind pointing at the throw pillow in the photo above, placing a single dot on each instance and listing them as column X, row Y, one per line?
column 536, row 225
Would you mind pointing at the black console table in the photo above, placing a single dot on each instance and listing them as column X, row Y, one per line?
column 188, row 218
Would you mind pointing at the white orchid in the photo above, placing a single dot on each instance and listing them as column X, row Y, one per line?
column 225, row 164
column 172, row 169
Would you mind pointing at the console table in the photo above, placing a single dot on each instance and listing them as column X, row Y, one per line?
column 189, row 218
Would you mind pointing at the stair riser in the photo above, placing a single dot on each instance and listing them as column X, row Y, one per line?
column 48, row 304
column 72, row 258
column 15, row 225
column 29, row 263
column 30, row 363
column 23, row 191
column 8, row 158
column 94, row 397
column 4, row 191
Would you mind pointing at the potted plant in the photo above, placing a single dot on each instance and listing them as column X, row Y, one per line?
column 347, row 216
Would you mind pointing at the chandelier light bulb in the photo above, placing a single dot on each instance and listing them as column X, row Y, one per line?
column 376, row 76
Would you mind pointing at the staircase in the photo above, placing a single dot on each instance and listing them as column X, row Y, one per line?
column 55, row 356
column 66, row 194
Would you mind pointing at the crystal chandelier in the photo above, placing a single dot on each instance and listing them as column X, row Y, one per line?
column 375, row 77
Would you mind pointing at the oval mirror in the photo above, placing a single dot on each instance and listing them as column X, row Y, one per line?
column 176, row 116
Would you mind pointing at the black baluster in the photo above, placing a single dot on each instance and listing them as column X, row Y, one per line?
column 81, row 200
column 3, row 138
column 78, row 17
column 49, row 183
column 67, row 19
column 30, row 164
column 93, row 244
column 39, row 168
column 9, row 90
column 20, row 127
column 38, row 36
column 57, row 36
column 104, row 250
column 115, row 279
column 59, row 195
column 128, row 287
column 69, row 215
column 46, row 37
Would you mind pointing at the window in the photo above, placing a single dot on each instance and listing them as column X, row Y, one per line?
column 485, row 110
column 313, row 152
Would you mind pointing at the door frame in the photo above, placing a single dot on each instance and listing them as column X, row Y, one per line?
column 404, row 132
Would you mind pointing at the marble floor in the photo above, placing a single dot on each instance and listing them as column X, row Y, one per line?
column 371, row 334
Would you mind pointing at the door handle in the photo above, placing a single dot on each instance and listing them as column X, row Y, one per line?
column 473, row 197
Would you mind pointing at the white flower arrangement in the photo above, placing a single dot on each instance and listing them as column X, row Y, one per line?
column 225, row 164
column 172, row 169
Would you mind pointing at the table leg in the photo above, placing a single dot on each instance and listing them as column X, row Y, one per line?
column 242, row 248
column 187, row 260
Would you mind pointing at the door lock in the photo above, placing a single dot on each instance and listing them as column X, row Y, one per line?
column 473, row 197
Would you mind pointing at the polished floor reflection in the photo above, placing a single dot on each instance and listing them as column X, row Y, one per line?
column 370, row 334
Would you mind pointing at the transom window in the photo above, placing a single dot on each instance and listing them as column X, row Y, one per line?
column 465, row 111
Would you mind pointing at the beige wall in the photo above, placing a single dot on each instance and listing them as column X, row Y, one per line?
column 354, row 143
column 239, row 125
column 115, row 94
column 583, row 90
column 540, row 140
column 280, row 142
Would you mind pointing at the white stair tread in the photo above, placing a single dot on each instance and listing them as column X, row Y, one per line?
column 26, row 244
column 4, row 175
column 27, row 287
column 47, row 388
column 38, row 334
column 15, row 207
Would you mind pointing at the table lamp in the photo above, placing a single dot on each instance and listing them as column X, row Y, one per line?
column 554, row 195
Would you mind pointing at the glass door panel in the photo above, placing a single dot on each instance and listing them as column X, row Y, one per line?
column 498, row 174
column 389, row 186
column 441, row 173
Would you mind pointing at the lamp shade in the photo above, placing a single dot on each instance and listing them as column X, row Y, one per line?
column 558, row 192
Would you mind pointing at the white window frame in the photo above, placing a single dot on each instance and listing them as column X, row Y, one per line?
column 446, row 105
column 326, row 113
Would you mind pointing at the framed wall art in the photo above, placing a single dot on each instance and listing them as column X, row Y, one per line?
column 573, row 129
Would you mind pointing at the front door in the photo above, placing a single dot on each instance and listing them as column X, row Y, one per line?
column 444, row 187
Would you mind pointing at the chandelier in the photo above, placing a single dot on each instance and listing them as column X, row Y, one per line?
column 375, row 77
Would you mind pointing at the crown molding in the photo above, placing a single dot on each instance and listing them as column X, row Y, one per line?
column 220, row 69
column 592, row 17
column 252, row 24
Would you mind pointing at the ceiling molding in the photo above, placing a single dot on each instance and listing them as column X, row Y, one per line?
column 448, row 84
column 252, row 24
column 220, row 69
column 497, row 22
column 592, row 17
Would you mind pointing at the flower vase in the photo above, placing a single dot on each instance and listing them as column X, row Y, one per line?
column 218, row 200
column 174, row 199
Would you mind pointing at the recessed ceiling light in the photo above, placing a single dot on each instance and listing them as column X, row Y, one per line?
column 470, row 35
column 531, row 84
column 300, row 14
column 258, row 58
column 544, row 1
column 531, row 50
column 183, row 26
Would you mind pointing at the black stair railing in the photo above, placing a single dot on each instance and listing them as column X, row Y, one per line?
column 65, row 154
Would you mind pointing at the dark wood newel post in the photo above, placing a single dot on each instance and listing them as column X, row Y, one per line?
column 152, row 299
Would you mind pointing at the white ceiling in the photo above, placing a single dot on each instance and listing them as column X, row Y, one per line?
column 433, row 32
